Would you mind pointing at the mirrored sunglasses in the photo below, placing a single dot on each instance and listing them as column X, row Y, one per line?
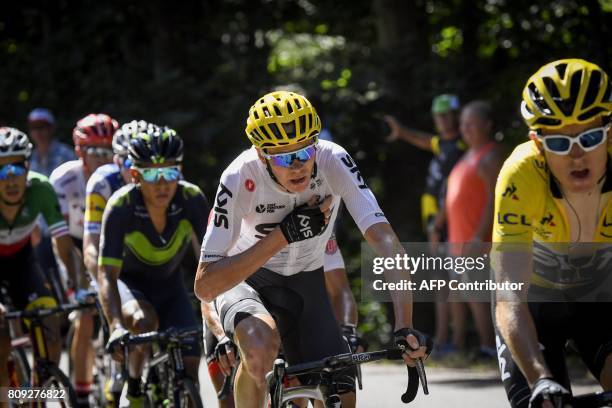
column 286, row 159
column 154, row 174
column 100, row 152
column 12, row 170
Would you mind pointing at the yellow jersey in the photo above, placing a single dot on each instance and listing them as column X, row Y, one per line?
column 529, row 209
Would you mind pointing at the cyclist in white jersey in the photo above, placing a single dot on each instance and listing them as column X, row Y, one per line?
column 92, row 138
column 262, row 254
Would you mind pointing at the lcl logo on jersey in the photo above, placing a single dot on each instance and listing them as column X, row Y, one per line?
column 512, row 219
column 221, row 201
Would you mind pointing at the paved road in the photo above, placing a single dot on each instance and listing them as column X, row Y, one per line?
column 457, row 388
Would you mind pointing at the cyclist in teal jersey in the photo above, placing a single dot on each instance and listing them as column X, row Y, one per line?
column 147, row 228
column 25, row 196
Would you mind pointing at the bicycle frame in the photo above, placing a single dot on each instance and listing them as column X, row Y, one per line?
column 326, row 390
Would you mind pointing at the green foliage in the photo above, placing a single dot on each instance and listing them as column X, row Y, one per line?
column 198, row 66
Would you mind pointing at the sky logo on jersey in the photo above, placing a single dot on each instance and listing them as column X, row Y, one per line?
column 223, row 195
column 510, row 192
column 352, row 166
column 264, row 229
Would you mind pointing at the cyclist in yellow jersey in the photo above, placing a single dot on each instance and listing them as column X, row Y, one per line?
column 554, row 195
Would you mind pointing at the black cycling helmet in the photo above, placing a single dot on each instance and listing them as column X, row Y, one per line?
column 121, row 138
column 155, row 145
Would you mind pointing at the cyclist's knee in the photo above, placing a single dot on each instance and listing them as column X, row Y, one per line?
column 259, row 344
column 140, row 317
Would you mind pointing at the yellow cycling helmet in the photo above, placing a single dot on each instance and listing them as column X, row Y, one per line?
column 268, row 115
column 566, row 92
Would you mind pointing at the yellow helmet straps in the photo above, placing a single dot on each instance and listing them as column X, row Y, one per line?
column 282, row 118
column 566, row 92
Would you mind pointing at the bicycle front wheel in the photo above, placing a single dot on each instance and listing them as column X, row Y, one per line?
column 56, row 379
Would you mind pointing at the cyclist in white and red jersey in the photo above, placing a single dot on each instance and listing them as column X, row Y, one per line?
column 265, row 243
column 92, row 138
column 25, row 197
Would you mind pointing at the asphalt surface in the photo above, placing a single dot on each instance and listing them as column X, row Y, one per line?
column 383, row 385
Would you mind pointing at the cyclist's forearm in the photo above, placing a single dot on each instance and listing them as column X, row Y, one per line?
column 109, row 295
column 385, row 243
column 214, row 278
column 65, row 251
column 518, row 330
column 90, row 252
column 341, row 296
column 212, row 320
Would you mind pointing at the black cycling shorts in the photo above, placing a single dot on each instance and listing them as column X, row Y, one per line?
column 171, row 303
column 302, row 311
column 23, row 279
column 556, row 323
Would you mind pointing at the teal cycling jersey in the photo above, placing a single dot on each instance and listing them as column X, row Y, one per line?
column 130, row 241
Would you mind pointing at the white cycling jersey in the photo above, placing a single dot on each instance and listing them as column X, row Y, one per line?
column 68, row 181
column 249, row 204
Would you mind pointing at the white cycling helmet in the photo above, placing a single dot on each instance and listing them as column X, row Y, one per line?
column 13, row 142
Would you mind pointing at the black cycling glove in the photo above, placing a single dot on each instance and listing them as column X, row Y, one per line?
column 303, row 223
column 423, row 339
column 224, row 346
column 548, row 389
column 351, row 335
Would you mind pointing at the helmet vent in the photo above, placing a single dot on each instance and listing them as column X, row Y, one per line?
column 540, row 102
column 266, row 112
column 277, row 110
column 561, row 68
column 607, row 96
column 591, row 113
column 297, row 102
column 592, row 89
column 289, row 107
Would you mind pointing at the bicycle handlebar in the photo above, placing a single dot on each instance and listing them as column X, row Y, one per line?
column 44, row 312
column 162, row 337
column 343, row 361
column 596, row 399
